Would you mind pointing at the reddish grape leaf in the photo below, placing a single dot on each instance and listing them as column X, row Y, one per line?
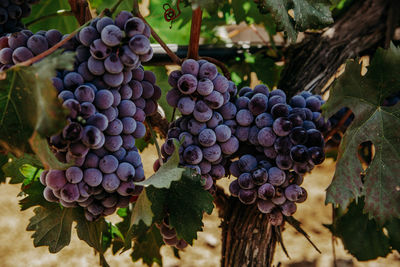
column 373, row 122
column 29, row 103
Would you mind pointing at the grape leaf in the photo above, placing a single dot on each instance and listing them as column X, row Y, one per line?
column 52, row 227
column 147, row 247
column 168, row 172
column 100, row 5
column 65, row 24
column 308, row 14
column 29, row 103
column 13, row 167
column 373, row 122
column 142, row 210
column 123, row 227
column 186, row 201
column 362, row 237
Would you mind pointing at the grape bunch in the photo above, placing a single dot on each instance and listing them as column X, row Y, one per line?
column 289, row 141
column 108, row 95
column 202, row 95
column 11, row 13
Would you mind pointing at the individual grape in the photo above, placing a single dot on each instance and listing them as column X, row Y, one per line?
column 139, row 44
column 245, row 181
column 113, row 64
column 288, row 208
column 208, row 70
column 221, row 84
column 21, row 54
column 78, row 150
column 202, row 112
column 173, row 97
column 217, row 171
column 74, row 175
column 113, row 143
column 264, row 120
column 284, row 162
column 6, row 56
column 260, row 176
column 128, row 58
column 84, row 93
column 120, row 154
column 91, row 161
column 140, row 130
column 282, row 145
column 186, row 105
column 247, row 196
column 96, row 67
column 72, row 132
column 272, row 101
column 316, row 154
column 103, row 99
column 127, row 108
column 266, row 137
column 302, row 197
column 298, row 101
column 98, row 120
column 99, row 50
column 193, row 155
column 49, row 195
column 315, row 138
column 190, row 66
column 280, row 110
column 111, row 113
column 125, row 171
column 261, row 88
column 113, row 80
column 72, row 80
column 228, row 111
column 108, row 164
column 122, row 18
column 126, row 188
column 223, row 133
column 43, row 177
column 282, row 126
column 212, row 153
column 205, row 87
column 276, row 218
column 87, row 35
column 242, row 133
column 111, row 35
column 195, row 127
column 247, row 163
column 242, row 102
column 53, row 37
column 230, row 146
column 313, row 103
column 276, row 176
column 55, row 179
column 299, row 153
column 258, row 104
column 265, row 206
column 110, row 182
column 234, row 188
column 215, row 100
column 128, row 125
column 134, row 26
column 244, row 117
column 186, row 139
column 70, row 193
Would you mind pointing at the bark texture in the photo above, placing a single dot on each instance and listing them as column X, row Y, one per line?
column 248, row 238
column 365, row 26
column 81, row 10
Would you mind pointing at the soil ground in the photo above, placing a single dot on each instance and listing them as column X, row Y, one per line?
column 16, row 247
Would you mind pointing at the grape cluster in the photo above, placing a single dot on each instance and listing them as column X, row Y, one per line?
column 202, row 96
column 11, row 13
column 289, row 141
column 108, row 95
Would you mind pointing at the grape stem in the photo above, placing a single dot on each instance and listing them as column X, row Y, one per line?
column 193, row 51
column 52, row 15
column 81, row 11
column 153, row 135
column 221, row 65
column 338, row 126
column 169, row 52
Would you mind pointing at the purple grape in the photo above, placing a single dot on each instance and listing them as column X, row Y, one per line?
column 288, row 208
column 70, row 193
column 264, row 120
column 55, row 179
column 316, row 154
column 187, row 84
column 272, row 101
column 186, row 105
column 266, row 191
column 111, row 35
column 230, row 146
column 6, row 55
column 126, row 188
column 276, row 176
column 260, row 176
column 122, row 18
column 298, row 102
column 21, row 54
column 139, row 44
column 49, row 195
column 315, row 138
column 247, row 196
column 212, row 153
column 275, row 218
column 87, row 35
column 258, row 104
column 186, row 139
column 208, row 70
column 140, row 131
column 282, row 126
column 217, row 171
column 280, row 110
column 202, row 112
column 193, row 155
column 245, row 181
column 247, row 163
column 74, row 175
column 73, row 132
column 37, row 44
column 266, row 137
column 228, row 111
column 113, row 143
column 242, row 102
column 110, row 182
column 113, row 64
column 265, row 206
column 111, row 113
column 284, row 162
column 134, row 26
column 313, row 103
column 244, row 117
column 299, row 153
column 242, row 133
column 205, row 87
column 113, row 80
column 96, row 67
column 215, row 100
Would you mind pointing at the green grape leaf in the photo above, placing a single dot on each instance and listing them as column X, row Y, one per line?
column 123, row 227
column 142, row 210
column 14, row 166
column 29, row 103
column 33, row 193
column 210, row 5
column 65, row 24
column 186, row 201
column 52, row 227
column 100, row 5
column 3, row 161
column 362, row 237
column 90, row 232
column 308, row 14
column 373, row 122
column 168, row 172
column 147, row 247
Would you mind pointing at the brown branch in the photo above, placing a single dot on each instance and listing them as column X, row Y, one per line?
column 338, row 126
column 195, row 30
column 81, row 10
column 221, row 65
column 169, row 52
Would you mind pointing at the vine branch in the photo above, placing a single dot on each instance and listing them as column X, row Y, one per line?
column 81, row 11
column 193, row 51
